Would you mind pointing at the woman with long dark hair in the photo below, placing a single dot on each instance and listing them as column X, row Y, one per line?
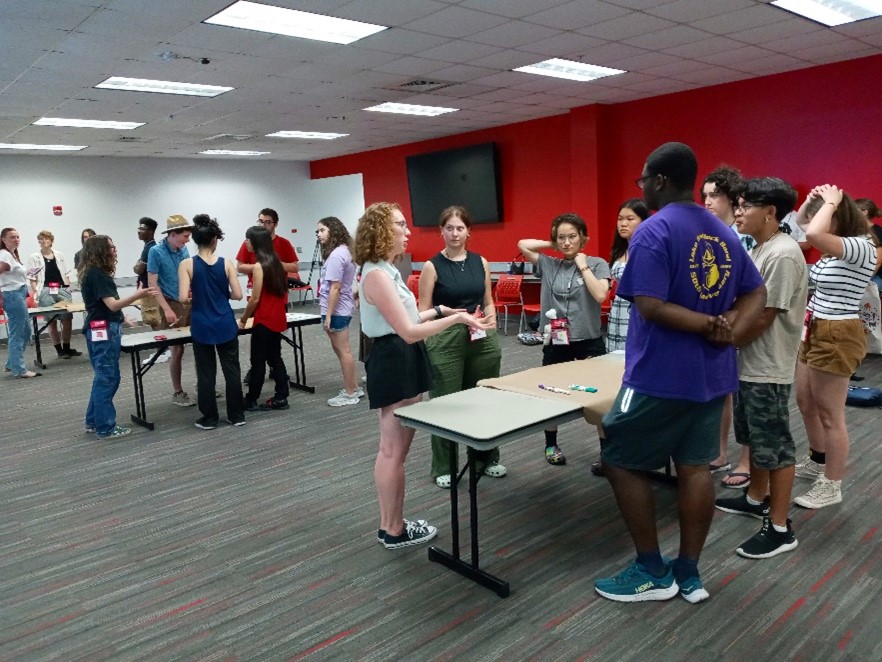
column 631, row 213
column 13, row 299
column 269, row 295
column 210, row 282
column 102, row 328
column 833, row 343
column 337, row 303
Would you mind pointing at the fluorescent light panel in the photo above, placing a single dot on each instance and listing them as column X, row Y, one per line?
column 51, row 148
column 293, row 23
column 410, row 109
column 308, row 135
column 832, row 12
column 87, row 124
column 232, row 152
column 161, row 87
column 559, row 68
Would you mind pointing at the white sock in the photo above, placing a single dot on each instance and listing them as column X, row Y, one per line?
column 753, row 502
column 780, row 529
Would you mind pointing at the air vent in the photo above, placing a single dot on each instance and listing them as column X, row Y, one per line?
column 420, row 85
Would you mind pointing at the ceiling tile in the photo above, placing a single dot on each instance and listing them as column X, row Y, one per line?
column 455, row 22
column 688, row 11
column 626, row 27
column 577, row 14
column 668, row 38
column 512, row 8
column 513, row 34
column 460, row 51
column 565, row 45
column 736, row 21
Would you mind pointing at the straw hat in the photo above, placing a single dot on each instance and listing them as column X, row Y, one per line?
column 177, row 222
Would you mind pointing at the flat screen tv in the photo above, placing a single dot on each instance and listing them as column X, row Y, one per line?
column 467, row 176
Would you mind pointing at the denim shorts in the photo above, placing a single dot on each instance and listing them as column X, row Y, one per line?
column 338, row 322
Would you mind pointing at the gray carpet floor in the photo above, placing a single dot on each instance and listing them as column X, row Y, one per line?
column 258, row 543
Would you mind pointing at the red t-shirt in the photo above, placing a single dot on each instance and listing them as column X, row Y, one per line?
column 281, row 246
column 270, row 311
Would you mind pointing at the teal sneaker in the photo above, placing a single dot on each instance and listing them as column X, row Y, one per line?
column 635, row 584
column 693, row 591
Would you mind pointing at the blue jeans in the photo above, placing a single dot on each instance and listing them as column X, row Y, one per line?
column 104, row 355
column 19, row 328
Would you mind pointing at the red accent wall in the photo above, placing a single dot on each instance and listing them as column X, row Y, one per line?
column 812, row 126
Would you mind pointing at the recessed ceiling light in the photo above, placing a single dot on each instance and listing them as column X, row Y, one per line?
column 309, row 135
column 51, row 148
column 161, row 87
column 232, row 152
column 410, row 109
column 559, row 68
column 87, row 124
column 832, row 12
column 293, row 23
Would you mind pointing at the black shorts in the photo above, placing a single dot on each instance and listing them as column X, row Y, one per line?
column 396, row 371
column 575, row 351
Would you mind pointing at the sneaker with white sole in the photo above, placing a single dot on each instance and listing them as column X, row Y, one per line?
column 824, row 492
column 808, row 468
column 692, row 590
column 381, row 533
column 205, row 424
column 635, row 584
column 414, row 533
column 740, row 506
column 181, row 399
column 768, row 542
column 358, row 392
column 342, row 399
column 162, row 358
column 117, row 432
column 495, row 470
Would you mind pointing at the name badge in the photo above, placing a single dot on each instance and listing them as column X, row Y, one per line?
column 477, row 334
column 98, row 330
column 560, row 331
column 53, row 287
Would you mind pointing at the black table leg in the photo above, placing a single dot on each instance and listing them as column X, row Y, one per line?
column 138, row 372
column 296, row 342
column 39, row 360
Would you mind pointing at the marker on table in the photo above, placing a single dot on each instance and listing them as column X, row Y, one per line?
column 584, row 389
column 553, row 389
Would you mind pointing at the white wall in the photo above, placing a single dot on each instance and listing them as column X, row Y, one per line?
column 111, row 194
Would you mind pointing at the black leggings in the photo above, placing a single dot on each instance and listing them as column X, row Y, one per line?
column 266, row 349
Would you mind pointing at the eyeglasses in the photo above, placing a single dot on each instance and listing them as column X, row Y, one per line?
column 266, row 222
column 744, row 206
column 400, row 224
column 572, row 238
column 641, row 181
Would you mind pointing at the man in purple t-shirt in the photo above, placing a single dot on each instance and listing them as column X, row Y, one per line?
column 693, row 289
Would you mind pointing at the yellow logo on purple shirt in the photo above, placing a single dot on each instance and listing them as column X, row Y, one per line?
column 710, row 265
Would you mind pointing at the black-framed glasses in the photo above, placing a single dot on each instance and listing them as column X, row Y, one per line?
column 744, row 206
column 641, row 181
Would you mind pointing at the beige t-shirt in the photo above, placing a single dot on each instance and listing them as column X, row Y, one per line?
column 771, row 358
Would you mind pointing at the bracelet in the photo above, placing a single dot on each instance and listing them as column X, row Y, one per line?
column 831, row 203
column 438, row 313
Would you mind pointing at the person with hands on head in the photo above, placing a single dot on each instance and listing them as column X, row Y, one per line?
column 103, row 331
column 50, row 283
column 398, row 366
column 163, row 261
column 337, row 303
column 574, row 287
column 266, row 305
column 460, row 356
column 209, row 282
column 693, row 292
column 834, row 342
column 13, row 299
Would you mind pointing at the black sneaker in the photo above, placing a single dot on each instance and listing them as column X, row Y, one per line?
column 205, row 424
column 413, row 534
column 72, row 352
column 251, row 406
column 768, row 542
column 381, row 533
column 739, row 506
column 236, row 422
column 273, row 404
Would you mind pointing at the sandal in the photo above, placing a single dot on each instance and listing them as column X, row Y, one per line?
column 553, row 455
column 742, row 480
column 495, row 470
column 443, row 482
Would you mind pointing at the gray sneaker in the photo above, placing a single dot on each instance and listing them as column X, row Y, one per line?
column 358, row 392
column 808, row 468
column 181, row 399
column 342, row 399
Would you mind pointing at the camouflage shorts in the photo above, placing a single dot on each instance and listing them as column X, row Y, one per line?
column 762, row 421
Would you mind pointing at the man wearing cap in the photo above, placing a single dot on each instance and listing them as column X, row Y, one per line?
column 163, row 260
column 245, row 259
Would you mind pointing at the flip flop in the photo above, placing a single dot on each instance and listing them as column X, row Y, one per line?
column 717, row 468
column 743, row 480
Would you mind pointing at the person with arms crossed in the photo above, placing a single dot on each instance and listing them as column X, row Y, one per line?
column 50, row 282
column 693, row 288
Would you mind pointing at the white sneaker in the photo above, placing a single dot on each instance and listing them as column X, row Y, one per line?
column 162, row 358
column 358, row 392
column 810, row 469
column 824, row 492
column 342, row 399
column 181, row 399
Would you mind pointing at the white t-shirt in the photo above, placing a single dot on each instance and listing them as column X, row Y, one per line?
column 16, row 276
column 840, row 282
column 771, row 358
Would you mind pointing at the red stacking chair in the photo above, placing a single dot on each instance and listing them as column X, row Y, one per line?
column 507, row 295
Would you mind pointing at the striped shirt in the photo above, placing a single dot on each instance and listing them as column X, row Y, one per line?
column 840, row 282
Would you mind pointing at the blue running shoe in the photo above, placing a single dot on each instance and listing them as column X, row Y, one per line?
column 693, row 591
column 635, row 584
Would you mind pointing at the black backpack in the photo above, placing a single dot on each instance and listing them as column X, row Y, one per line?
column 862, row 396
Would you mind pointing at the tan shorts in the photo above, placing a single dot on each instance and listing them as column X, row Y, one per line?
column 835, row 346
column 182, row 310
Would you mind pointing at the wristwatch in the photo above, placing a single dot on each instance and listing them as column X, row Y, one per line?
column 438, row 313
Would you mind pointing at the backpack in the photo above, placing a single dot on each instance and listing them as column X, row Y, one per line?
column 862, row 396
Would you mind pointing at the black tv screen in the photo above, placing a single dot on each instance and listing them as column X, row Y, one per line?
column 466, row 176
